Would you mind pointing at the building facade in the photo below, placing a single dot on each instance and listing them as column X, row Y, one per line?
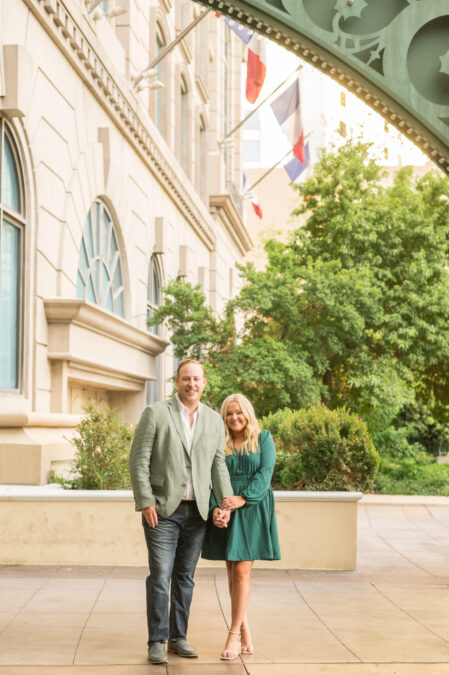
column 108, row 190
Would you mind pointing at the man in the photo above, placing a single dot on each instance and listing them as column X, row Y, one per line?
column 177, row 456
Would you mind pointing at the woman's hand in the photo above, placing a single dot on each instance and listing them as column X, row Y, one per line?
column 220, row 518
column 232, row 503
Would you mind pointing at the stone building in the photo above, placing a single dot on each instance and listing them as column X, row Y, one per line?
column 108, row 190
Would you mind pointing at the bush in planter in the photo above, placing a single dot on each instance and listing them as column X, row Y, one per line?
column 102, row 449
column 324, row 449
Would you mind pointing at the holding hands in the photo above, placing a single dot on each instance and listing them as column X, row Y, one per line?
column 220, row 517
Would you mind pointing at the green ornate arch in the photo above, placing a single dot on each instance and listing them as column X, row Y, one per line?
column 393, row 54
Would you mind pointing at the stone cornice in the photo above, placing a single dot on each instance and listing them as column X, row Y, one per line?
column 68, row 29
column 92, row 317
column 224, row 209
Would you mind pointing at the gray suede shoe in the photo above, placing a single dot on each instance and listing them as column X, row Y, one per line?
column 181, row 647
column 156, row 653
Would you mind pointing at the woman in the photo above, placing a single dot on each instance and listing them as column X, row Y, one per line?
column 252, row 532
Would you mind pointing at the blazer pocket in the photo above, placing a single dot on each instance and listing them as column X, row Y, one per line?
column 157, row 482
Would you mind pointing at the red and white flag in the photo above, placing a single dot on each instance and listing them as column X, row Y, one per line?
column 255, row 68
column 287, row 110
column 252, row 197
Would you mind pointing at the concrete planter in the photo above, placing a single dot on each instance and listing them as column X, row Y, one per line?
column 49, row 525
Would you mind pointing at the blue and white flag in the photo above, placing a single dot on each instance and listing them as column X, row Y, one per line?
column 295, row 167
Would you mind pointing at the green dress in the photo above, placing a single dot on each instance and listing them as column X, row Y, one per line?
column 252, row 532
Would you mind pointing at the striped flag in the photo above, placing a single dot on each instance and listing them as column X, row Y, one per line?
column 287, row 111
column 251, row 195
column 256, row 67
column 295, row 167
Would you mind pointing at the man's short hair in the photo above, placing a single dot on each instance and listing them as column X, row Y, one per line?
column 185, row 362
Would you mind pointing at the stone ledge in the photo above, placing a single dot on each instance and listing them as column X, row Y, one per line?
column 403, row 500
column 55, row 492
column 35, row 419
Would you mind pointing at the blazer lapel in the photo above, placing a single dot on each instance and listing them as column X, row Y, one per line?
column 176, row 417
column 200, row 424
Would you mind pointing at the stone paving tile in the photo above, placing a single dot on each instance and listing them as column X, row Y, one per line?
column 62, row 595
column 30, row 629
column 121, row 595
column 371, row 626
column 16, row 593
column 283, row 627
column 352, row 669
column 427, row 606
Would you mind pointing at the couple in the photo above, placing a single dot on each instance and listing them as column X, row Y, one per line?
column 180, row 452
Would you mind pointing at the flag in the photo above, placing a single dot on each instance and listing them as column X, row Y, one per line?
column 255, row 68
column 251, row 195
column 244, row 33
column 256, row 62
column 295, row 167
column 287, row 111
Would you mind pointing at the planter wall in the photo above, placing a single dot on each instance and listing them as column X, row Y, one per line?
column 318, row 530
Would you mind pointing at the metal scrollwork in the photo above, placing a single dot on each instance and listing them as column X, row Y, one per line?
column 393, row 53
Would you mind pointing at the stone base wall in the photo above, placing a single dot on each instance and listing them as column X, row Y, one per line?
column 318, row 531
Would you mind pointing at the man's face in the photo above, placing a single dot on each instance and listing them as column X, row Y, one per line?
column 190, row 383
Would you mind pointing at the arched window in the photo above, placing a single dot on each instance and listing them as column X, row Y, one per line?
column 100, row 277
column 12, row 221
column 154, row 299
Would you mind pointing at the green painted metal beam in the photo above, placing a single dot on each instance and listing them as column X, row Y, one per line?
column 393, row 54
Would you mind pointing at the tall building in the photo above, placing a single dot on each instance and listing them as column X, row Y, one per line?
column 110, row 186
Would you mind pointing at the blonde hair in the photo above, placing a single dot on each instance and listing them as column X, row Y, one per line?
column 252, row 429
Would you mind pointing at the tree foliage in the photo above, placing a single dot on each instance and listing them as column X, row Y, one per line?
column 352, row 309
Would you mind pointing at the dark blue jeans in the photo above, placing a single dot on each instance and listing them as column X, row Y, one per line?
column 174, row 547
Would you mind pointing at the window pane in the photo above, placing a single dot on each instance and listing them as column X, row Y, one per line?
column 99, row 264
column 10, row 179
column 9, row 306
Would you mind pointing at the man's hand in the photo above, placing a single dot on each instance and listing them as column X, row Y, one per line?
column 220, row 518
column 150, row 515
column 233, row 502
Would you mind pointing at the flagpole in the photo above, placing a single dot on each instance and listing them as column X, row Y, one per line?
column 261, row 104
column 264, row 175
column 170, row 46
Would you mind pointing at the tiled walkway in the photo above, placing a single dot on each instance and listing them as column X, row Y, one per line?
column 391, row 617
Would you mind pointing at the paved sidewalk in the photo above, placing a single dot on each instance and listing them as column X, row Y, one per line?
column 390, row 617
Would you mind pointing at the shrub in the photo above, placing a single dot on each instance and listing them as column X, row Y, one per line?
column 324, row 449
column 417, row 476
column 102, row 448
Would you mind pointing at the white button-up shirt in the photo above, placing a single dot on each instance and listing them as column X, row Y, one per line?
column 189, row 430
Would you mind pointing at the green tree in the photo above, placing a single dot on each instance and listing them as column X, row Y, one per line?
column 353, row 308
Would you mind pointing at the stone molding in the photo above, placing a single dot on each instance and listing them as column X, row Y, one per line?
column 224, row 209
column 35, row 419
column 82, row 313
column 114, row 93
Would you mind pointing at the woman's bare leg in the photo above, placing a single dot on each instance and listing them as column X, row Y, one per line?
column 239, row 591
column 229, row 564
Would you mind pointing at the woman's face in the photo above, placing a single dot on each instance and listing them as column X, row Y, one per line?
column 235, row 419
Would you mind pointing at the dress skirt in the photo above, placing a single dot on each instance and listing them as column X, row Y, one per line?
column 252, row 531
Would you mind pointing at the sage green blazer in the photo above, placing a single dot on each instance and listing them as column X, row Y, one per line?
column 160, row 464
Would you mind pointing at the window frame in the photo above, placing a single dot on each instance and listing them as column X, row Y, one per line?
column 15, row 219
